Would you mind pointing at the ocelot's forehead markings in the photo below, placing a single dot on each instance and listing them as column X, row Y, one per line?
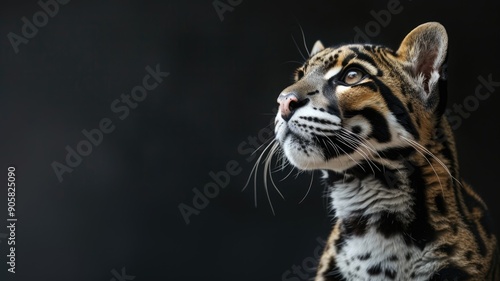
column 325, row 60
column 332, row 63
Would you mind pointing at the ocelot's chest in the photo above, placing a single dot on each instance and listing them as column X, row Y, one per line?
column 373, row 242
column 374, row 257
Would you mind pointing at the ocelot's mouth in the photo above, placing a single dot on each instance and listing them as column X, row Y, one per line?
column 308, row 145
column 307, row 127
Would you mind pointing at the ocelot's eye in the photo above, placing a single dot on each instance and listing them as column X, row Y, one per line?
column 353, row 76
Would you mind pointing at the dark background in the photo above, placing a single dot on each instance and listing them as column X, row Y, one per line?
column 119, row 209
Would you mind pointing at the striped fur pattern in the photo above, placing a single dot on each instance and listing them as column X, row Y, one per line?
column 372, row 120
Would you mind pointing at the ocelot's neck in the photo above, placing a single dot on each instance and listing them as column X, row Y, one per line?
column 373, row 188
column 401, row 195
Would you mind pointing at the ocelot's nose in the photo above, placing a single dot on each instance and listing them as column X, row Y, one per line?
column 289, row 103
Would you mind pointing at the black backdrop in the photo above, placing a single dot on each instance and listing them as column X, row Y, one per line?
column 116, row 215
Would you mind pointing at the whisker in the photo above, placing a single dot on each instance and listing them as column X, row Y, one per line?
column 294, row 61
column 266, row 170
column 366, row 153
column 433, row 156
column 255, row 171
column 298, row 48
column 267, row 167
column 360, row 153
column 289, row 173
column 304, row 41
column 361, row 140
column 345, row 153
column 432, row 166
column 309, row 189
column 270, row 139
column 256, row 164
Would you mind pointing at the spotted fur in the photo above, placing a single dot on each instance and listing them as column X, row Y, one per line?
column 372, row 120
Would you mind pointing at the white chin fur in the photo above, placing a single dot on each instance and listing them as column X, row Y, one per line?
column 311, row 160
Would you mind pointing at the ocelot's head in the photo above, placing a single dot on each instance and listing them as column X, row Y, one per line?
column 357, row 102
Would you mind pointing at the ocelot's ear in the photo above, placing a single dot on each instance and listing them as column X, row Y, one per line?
column 424, row 50
column 318, row 47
